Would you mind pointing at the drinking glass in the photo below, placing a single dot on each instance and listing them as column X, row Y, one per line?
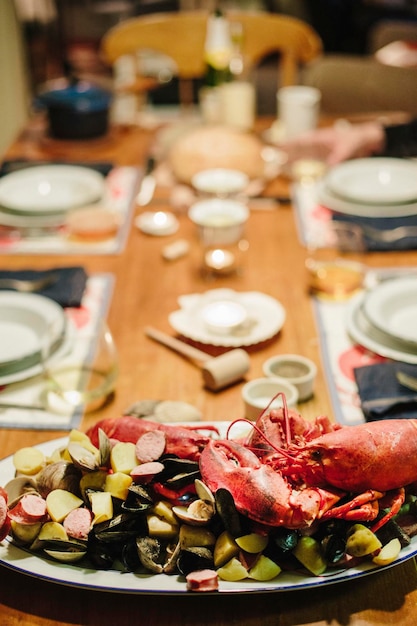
column 85, row 376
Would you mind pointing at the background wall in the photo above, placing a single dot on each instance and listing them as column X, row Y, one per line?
column 14, row 92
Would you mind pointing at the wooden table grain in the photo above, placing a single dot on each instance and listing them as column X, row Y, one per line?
column 146, row 291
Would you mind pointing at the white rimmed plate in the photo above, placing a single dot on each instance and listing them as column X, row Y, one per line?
column 340, row 205
column 48, row 189
column 265, row 318
column 363, row 332
column 377, row 180
column 29, row 323
column 21, row 561
column 391, row 306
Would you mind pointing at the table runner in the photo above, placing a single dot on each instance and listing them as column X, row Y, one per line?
column 340, row 354
column 85, row 321
column 320, row 227
column 120, row 190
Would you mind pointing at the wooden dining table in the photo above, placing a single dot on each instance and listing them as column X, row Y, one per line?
column 146, row 291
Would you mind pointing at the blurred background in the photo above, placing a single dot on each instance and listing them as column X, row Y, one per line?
column 44, row 39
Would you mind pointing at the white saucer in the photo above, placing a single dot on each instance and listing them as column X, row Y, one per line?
column 376, row 180
column 29, row 324
column 392, row 307
column 365, row 334
column 50, row 189
column 335, row 203
column 265, row 319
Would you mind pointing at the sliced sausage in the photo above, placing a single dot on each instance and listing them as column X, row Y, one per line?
column 29, row 510
column 202, row 580
column 150, row 446
column 146, row 471
column 78, row 523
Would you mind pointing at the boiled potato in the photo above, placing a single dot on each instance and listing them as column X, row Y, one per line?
column 232, row 571
column 25, row 533
column 49, row 531
column 101, row 506
column 60, row 502
column 307, row 551
column 28, row 461
column 195, row 536
column 362, row 541
column 264, row 569
column 225, row 549
column 118, row 485
column 164, row 509
column 159, row 527
column 123, row 457
column 77, row 436
column 388, row 553
column 252, row 543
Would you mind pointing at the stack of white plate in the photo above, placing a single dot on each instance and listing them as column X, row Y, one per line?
column 384, row 318
column 374, row 187
column 41, row 196
column 33, row 332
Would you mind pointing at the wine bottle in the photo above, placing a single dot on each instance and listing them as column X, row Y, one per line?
column 218, row 50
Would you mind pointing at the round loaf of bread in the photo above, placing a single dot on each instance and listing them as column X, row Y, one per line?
column 207, row 147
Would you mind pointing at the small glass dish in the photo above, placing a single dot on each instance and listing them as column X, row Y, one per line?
column 223, row 317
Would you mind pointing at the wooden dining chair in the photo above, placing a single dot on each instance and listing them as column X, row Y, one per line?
column 181, row 37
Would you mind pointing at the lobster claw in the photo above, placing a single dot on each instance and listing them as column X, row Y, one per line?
column 259, row 492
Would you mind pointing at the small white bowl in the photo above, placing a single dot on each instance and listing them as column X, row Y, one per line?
column 257, row 395
column 296, row 369
column 222, row 317
column 158, row 223
column 220, row 181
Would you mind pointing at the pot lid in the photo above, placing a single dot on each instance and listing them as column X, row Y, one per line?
column 77, row 95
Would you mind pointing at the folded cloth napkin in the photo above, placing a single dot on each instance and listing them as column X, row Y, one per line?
column 382, row 223
column 381, row 395
column 13, row 165
column 67, row 286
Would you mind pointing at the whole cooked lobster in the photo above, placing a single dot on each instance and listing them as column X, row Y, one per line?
column 290, row 472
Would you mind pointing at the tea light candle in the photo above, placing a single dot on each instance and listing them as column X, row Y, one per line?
column 219, row 260
column 157, row 223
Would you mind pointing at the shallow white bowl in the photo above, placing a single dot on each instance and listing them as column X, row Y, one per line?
column 258, row 393
column 297, row 370
column 220, row 181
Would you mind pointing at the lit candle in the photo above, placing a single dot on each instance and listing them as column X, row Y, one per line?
column 157, row 223
column 219, row 260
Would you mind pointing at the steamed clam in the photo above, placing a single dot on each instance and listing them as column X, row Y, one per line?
column 59, row 475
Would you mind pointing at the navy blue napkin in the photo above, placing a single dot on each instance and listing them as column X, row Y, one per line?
column 382, row 223
column 67, row 287
column 13, row 165
column 380, row 393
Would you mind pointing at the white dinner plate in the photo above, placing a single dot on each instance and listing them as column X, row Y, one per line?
column 376, row 180
column 391, row 306
column 265, row 318
column 340, row 205
column 48, row 189
column 29, row 323
column 363, row 332
column 24, row 562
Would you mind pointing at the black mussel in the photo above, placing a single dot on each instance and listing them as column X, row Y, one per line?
column 102, row 555
column 129, row 556
column 392, row 530
column 178, row 472
column 65, row 551
column 333, row 548
column 231, row 518
column 120, row 528
column 285, row 539
column 194, row 559
column 104, row 446
column 332, row 527
column 150, row 554
column 138, row 499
